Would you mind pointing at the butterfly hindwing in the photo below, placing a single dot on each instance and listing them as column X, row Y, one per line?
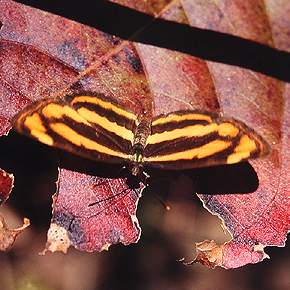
column 82, row 129
column 103, row 129
column 188, row 139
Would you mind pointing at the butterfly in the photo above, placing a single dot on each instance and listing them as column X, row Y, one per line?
column 101, row 128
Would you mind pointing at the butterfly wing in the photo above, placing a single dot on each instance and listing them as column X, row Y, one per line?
column 188, row 139
column 92, row 126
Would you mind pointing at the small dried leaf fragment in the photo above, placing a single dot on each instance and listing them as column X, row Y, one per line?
column 208, row 254
column 6, row 185
column 7, row 235
column 227, row 255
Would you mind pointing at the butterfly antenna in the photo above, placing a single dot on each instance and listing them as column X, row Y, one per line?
column 161, row 201
column 144, row 180
column 108, row 198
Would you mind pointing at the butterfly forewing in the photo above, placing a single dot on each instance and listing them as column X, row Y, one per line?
column 187, row 139
column 81, row 126
column 104, row 109
column 101, row 128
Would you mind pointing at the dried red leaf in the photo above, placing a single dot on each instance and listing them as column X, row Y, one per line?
column 91, row 213
column 49, row 64
column 261, row 218
column 7, row 235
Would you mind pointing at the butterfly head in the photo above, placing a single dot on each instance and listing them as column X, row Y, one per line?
column 136, row 163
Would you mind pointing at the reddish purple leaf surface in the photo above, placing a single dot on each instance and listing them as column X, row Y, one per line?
column 261, row 218
column 96, row 212
column 66, row 56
